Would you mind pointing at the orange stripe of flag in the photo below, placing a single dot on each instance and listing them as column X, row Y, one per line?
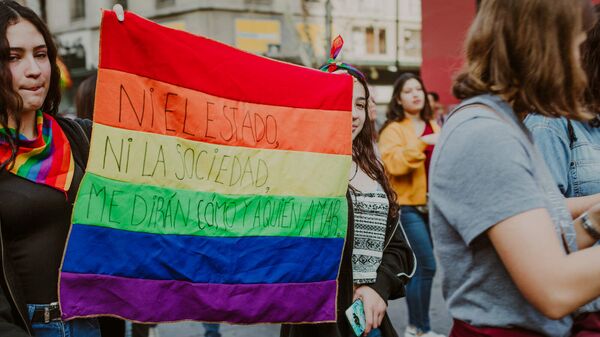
column 137, row 103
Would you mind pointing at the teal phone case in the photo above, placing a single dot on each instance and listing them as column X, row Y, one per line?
column 356, row 316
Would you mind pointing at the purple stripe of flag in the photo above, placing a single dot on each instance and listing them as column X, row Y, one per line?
column 161, row 301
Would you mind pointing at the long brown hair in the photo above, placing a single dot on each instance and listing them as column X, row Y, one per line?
column 363, row 154
column 523, row 51
column 395, row 111
column 11, row 103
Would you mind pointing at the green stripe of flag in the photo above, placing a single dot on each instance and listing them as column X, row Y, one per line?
column 151, row 209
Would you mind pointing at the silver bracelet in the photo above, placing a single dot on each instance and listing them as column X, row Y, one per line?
column 589, row 227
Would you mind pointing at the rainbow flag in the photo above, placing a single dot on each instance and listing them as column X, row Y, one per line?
column 215, row 189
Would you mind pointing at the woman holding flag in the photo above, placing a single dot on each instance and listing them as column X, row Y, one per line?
column 42, row 160
column 377, row 260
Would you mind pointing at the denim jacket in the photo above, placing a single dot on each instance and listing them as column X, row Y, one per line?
column 574, row 160
column 573, row 157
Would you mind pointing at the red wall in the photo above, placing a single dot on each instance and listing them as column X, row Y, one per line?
column 445, row 24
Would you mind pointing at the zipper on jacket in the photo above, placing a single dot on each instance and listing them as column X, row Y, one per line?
column 12, row 297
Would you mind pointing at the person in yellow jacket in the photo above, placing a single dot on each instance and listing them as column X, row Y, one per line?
column 406, row 143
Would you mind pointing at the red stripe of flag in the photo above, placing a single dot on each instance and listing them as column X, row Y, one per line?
column 144, row 48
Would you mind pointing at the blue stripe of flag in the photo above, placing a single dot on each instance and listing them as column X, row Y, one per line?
column 198, row 259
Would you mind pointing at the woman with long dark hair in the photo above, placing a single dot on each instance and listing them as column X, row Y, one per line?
column 377, row 260
column 406, row 142
column 42, row 159
column 515, row 263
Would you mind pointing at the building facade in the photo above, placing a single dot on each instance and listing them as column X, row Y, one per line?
column 383, row 37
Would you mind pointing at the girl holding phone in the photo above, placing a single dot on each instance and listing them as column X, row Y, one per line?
column 377, row 261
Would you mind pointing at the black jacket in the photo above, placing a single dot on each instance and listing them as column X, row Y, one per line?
column 14, row 320
column 397, row 263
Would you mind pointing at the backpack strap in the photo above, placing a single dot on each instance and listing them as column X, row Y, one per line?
column 78, row 132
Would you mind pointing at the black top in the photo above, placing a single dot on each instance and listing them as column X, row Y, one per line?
column 35, row 223
column 13, row 306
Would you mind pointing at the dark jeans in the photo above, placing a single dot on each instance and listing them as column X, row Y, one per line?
column 80, row 327
column 418, row 290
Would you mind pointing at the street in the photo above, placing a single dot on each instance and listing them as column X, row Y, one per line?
column 440, row 321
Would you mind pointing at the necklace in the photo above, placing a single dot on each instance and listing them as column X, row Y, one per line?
column 355, row 172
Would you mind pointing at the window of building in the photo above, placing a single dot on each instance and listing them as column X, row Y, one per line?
column 370, row 42
column 374, row 40
column 382, row 42
column 120, row 2
column 77, row 9
column 164, row 3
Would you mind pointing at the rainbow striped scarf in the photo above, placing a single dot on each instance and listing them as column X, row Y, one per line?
column 47, row 159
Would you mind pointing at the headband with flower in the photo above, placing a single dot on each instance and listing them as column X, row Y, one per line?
column 332, row 65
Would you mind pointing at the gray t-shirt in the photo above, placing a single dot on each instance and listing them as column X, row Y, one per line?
column 484, row 170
